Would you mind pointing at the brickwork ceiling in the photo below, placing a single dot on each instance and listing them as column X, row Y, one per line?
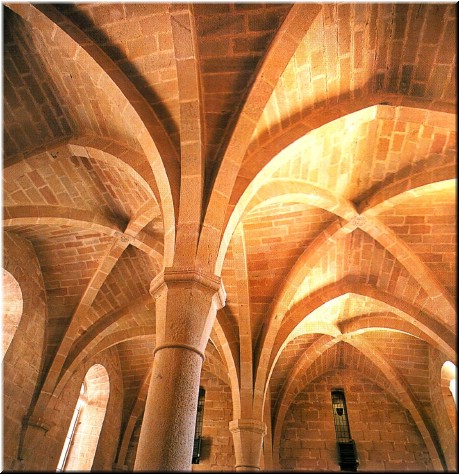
column 305, row 153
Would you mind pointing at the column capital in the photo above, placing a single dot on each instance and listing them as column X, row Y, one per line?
column 248, row 437
column 248, row 424
column 188, row 276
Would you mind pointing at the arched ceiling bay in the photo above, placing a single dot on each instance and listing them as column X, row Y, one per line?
column 37, row 114
column 427, row 223
column 275, row 236
column 78, row 182
column 137, row 37
column 340, row 179
column 355, row 50
column 232, row 41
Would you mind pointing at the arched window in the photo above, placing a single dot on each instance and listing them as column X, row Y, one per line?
column 84, row 431
column 447, row 411
column 448, row 377
column 12, row 309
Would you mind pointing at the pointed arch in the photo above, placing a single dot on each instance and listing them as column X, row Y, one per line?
column 295, row 315
column 292, row 31
column 136, row 113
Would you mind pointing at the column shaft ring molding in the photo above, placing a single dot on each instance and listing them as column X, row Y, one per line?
column 174, row 345
column 256, row 426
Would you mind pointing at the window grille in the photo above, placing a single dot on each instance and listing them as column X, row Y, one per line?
column 346, row 445
column 343, row 432
column 198, row 431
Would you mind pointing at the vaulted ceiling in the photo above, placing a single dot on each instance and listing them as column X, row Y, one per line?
column 330, row 130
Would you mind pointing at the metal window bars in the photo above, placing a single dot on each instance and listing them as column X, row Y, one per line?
column 198, row 430
column 343, row 432
column 346, row 445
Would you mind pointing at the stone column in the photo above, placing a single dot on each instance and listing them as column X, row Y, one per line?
column 247, row 439
column 186, row 304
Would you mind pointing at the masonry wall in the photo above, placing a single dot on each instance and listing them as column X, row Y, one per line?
column 217, row 444
column 55, row 422
column 22, row 361
column 133, row 444
column 385, row 433
column 59, row 413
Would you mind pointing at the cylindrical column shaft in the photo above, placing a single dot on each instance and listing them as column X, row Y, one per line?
column 166, row 439
column 186, row 304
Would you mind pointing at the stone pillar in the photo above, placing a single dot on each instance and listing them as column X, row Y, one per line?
column 186, row 304
column 247, row 439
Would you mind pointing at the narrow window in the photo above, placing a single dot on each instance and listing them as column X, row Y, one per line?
column 346, row 445
column 343, row 432
column 71, row 431
column 448, row 375
column 82, row 439
column 448, row 389
column 198, row 431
